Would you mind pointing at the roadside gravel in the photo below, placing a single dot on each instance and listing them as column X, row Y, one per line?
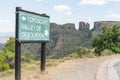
column 80, row 69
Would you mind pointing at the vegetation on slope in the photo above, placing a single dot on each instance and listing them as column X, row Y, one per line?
column 66, row 42
column 108, row 39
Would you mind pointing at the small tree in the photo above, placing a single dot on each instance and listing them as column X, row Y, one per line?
column 108, row 39
column 7, row 55
column 10, row 45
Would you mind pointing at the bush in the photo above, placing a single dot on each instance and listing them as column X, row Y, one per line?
column 27, row 57
column 73, row 55
column 7, row 55
column 108, row 39
column 106, row 52
column 84, row 52
column 4, row 66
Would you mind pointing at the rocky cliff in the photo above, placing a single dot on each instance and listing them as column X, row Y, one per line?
column 84, row 26
column 65, row 38
column 99, row 24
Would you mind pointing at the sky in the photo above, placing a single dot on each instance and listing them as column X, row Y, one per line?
column 61, row 11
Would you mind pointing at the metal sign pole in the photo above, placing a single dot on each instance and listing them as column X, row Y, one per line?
column 43, row 56
column 17, row 50
column 18, row 61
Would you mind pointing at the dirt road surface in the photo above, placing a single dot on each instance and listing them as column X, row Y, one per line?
column 78, row 69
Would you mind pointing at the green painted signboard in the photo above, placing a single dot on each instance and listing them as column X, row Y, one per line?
column 33, row 27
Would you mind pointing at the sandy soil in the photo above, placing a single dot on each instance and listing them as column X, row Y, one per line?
column 77, row 69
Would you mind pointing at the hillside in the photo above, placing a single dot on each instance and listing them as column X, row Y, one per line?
column 64, row 39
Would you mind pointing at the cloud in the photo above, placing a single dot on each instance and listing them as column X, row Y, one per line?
column 39, row 0
column 114, row 0
column 96, row 2
column 68, row 13
column 92, row 2
column 114, row 15
column 62, row 8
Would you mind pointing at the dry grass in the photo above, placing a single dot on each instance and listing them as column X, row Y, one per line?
column 30, row 71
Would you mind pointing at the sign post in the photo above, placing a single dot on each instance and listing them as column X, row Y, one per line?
column 17, row 60
column 43, row 56
column 17, row 51
column 31, row 27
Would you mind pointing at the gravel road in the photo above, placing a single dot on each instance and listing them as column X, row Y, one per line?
column 117, row 68
column 77, row 69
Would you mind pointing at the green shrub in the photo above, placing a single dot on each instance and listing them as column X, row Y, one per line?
column 10, row 56
column 6, row 60
column 106, row 52
column 23, row 58
column 4, row 66
column 83, row 52
column 74, row 55
column 108, row 39
column 27, row 57
column 90, row 55
column 7, row 55
column 2, row 58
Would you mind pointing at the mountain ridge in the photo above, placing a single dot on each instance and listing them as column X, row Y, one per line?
column 99, row 24
column 66, row 38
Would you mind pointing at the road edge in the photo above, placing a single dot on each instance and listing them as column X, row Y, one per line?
column 106, row 69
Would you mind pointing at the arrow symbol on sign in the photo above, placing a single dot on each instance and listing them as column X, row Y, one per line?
column 23, row 18
column 46, row 33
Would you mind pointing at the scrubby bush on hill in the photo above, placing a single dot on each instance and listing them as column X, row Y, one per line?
column 108, row 39
column 7, row 55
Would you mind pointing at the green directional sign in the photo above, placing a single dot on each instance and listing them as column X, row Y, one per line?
column 33, row 27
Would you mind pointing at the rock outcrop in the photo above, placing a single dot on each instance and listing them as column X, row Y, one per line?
column 84, row 26
column 99, row 24
column 70, row 26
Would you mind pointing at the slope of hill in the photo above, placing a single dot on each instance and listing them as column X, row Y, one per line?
column 64, row 39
